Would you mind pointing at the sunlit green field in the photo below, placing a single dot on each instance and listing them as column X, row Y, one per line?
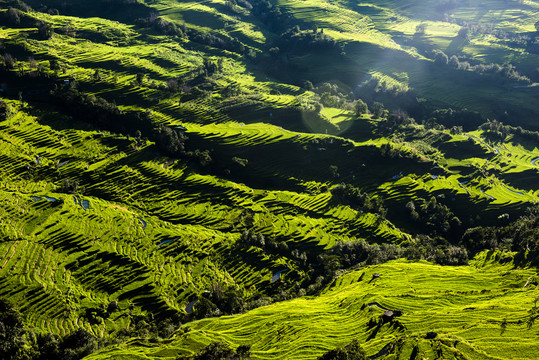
column 154, row 232
column 464, row 306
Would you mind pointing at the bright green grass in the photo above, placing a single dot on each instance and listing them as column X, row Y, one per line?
column 465, row 306
column 105, row 253
column 61, row 261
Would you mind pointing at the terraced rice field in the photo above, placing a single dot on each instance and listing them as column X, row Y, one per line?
column 464, row 306
column 154, row 232
column 111, row 243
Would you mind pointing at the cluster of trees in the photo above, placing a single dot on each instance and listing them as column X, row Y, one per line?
column 169, row 140
column 349, row 195
column 420, row 29
column 220, row 41
column 334, row 95
column 71, row 186
column 448, row 118
column 387, row 150
column 270, row 14
column 220, row 351
column 320, row 268
column 149, row 327
column 219, row 300
column 437, row 250
column 89, row 108
column 376, row 93
column 239, row 6
column 435, row 218
column 512, row 39
column 331, row 142
column 18, row 4
column 198, row 83
column 521, row 235
column 166, row 27
column 16, row 16
column 501, row 131
column 351, row 351
column 18, row 343
column 162, row 26
column 172, row 142
column 12, row 17
column 251, row 238
column 388, row 123
column 270, row 245
column 106, row 115
column 506, row 70
column 7, row 61
column 5, row 110
column 303, row 40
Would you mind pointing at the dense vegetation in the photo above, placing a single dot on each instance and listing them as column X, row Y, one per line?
column 172, row 172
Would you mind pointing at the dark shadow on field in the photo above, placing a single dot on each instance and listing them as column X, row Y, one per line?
column 456, row 46
column 108, row 272
column 526, row 143
column 205, row 19
column 120, row 11
column 526, row 180
column 482, row 11
column 344, row 117
column 462, row 150
column 52, row 116
column 462, row 170
column 359, row 129
column 5, row 289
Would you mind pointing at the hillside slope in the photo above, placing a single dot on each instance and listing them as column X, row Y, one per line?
column 155, row 152
column 476, row 312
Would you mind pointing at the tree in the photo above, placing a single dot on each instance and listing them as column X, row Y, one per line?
column 307, row 85
column 454, row 61
column 215, row 351
column 13, row 16
column 169, row 140
column 378, row 109
column 537, row 26
column 352, row 351
column 440, row 57
column 48, row 347
column 11, row 332
column 420, row 29
column 78, row 344
column 44, row 30
column 54, row 65
column 4, row 110
column 221, row 351
column 360, row 107
column 464, row 33
column 334, row 171
column 331, row 263
column 9, row 61
column 172, row 85
column 140, row 79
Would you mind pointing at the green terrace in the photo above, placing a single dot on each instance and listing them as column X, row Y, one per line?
column 477, row 311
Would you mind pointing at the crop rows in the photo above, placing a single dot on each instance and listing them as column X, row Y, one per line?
column 457, row 303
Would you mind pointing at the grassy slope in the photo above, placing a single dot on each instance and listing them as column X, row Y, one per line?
column 136, row 203
column 379, row 40
column 465, row 306
column 281, row 184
